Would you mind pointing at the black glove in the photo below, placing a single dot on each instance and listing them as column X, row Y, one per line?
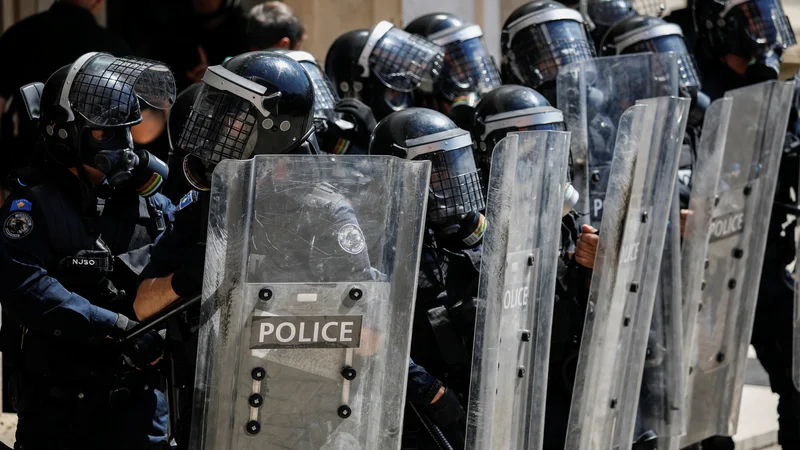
column 144, row 350
column 448, row 414
column 365, row 119
column 188, row 280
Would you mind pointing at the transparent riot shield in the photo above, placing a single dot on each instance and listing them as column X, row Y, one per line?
column 517, row 288
column 725, row 304
column 664, row 413
column 310, row 275
column 593, row 96
column 621, row 297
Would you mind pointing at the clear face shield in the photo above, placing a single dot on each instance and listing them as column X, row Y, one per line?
column 223, row 122
column 541, row 42
column 401, row 61
column 662, row 39
column 468, row 67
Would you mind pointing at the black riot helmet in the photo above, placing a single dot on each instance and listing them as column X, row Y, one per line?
column 455, row 198
column 255, row 103
column 383, row 66
column 538, row 38
column 508, row 109
column 606, row 13
column 643, row 34
column 87, row 108
column 468, row 66
column 756, row 30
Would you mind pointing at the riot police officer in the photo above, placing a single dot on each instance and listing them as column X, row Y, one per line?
column 272, row 115
column 512, row 108
column 537, row 39
column 604, row 14
column 739, row 44
column 469, row 70
column 444, row 317
column 61, row 276
column 383, row 67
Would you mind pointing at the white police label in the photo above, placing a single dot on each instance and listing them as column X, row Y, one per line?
column 306, row 332
column 18, row 225
column 351, row 239
column 726, row 226
column 518, row 282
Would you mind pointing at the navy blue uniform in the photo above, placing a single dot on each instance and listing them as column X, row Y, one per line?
column 70, row 388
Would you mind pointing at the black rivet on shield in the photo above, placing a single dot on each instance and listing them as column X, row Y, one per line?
column 707, row 263
column 732, row 284
column 531, row 259
column 700, row 306
column 720, row 357
column 256, row 400
column 344, row 411
column 253, row 427
column 747, row 190
column 596, row 176
column 521, row 372
column 634, row 287
column 626, row 321
column 738, row 253
column 258, row 373
column 526, row 336
column 716, row 200
column 703, row 285
column 644, row 217
column 349, row 373
column 691, row 369
column 265, row 294
column 356, row 294
column 613, row 403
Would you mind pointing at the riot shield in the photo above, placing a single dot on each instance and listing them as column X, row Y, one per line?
column 517, row 288
column 664, row 413
column 621, row 297
column 593, row 95
column 308, row 298
column 725, row 303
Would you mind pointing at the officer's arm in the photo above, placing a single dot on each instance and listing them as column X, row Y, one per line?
column 423, row 388
column 35, row 298
column 155, row 291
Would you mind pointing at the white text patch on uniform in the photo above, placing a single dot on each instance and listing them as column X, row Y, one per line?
column 351, row 239
column 18, row 225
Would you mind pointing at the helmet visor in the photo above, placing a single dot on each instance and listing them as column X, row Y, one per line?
column 687, row 69
column 402, row 61
column 469, row 68
column 539, row 50
column 763, row 23
column 325, row 98
column 219, row 127
column 455, row 187
column 106, row 89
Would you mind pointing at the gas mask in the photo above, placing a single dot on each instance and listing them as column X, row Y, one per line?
column 113, row 154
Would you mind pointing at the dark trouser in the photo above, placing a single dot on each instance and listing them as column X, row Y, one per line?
column 90, row 419
column 772, row 339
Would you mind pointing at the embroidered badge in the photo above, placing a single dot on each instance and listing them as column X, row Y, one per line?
column 18, row 225
column 21, row 205
column 351, row 239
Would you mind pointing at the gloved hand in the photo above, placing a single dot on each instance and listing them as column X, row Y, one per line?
column 365, row 119
column 146, row 350
column 448, row 414
column 188, row 280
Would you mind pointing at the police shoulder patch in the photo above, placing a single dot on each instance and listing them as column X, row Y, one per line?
column 351, row 239
column 18, row 225
column 20, row 205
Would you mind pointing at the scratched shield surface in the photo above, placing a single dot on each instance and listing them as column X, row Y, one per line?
column 723, row 308
column 624, row 280
column 516, row 291
column 311, row 271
